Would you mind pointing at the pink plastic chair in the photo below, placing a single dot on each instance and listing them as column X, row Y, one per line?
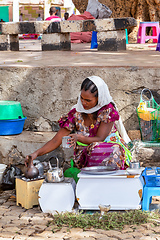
column 141, row 37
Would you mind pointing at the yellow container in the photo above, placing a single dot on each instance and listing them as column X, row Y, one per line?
column 27, row 192
column 143, row 112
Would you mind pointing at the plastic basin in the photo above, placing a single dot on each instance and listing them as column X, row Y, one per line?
column 11, row 127
column 10, row 110
column 152, row 180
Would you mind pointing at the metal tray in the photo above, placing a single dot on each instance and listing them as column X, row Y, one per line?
column 99, row 170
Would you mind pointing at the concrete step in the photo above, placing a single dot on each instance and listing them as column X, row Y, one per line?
column 148, row 156
column 14, row 148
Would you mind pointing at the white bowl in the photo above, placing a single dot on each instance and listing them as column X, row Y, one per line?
column 2, row 169
column 135, row 170
column 1, row 174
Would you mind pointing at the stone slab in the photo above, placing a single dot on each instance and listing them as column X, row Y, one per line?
column 111, row 40
column 109, row 24
column 56, row 41
column 59, row 38
column 4, row 42
column 14, row 42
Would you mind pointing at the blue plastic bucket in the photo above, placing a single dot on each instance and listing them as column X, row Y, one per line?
column 11, row 127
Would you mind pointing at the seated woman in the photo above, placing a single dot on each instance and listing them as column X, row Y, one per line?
column 95, row 123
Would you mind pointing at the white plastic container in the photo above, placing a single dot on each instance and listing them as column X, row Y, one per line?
column 2, row 169
column 120, row 190
column 65, row 143
column 58, row 197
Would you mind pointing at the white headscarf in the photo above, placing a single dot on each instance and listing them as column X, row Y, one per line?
column 104, row 98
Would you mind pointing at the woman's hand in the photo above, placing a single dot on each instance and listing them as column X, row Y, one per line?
column 103, row 131
column 74, row 138
column 51, row 145
column 33, row 156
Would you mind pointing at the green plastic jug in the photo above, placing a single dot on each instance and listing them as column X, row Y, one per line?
column 72, row 172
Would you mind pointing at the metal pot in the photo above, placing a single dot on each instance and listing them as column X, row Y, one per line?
column 134, row 165
column 55, row 174
column 32, row 171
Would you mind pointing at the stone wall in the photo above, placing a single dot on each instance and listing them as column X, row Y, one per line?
column 47, row 93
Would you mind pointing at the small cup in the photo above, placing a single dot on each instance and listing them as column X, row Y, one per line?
column 134, row 165
column 65, row 143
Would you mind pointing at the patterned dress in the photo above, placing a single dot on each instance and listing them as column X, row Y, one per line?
column 112, row 152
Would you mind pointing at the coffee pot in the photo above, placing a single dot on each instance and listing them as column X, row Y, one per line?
column 55, row 174
column 32, row 171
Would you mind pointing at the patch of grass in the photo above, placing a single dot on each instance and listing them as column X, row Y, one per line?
column 19, row 61
column 111, row 220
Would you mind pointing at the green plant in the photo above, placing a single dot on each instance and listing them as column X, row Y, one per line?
column 111, row 220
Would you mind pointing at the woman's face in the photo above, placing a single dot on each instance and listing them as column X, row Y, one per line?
column 88, row 99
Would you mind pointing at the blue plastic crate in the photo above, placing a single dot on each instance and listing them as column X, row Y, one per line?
column 152, row 180
column 11, row 127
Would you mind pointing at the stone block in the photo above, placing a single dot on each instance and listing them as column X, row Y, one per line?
column 46, row 235
column 14, row 42
column 20, row 237
column 56, row 41
column 20, row 223
column 149, row 156
column 40, row 26
column 18, row 209
column 111, row 40
column 53, row 27
column 39, row 228
column 10, row 28
column 27, row 231
column 42, row 125
column 26, row 28
column 4, row 42
column 14, row 213
column 134, row 134
column 10, row 218
column 71, row 26
column 11, row 229
column 89, row 25
column 37, row 238
column 122, row 23
column 7, row 235
column 104, row 25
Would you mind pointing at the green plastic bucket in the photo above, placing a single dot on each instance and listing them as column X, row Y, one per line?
column 10, row 110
